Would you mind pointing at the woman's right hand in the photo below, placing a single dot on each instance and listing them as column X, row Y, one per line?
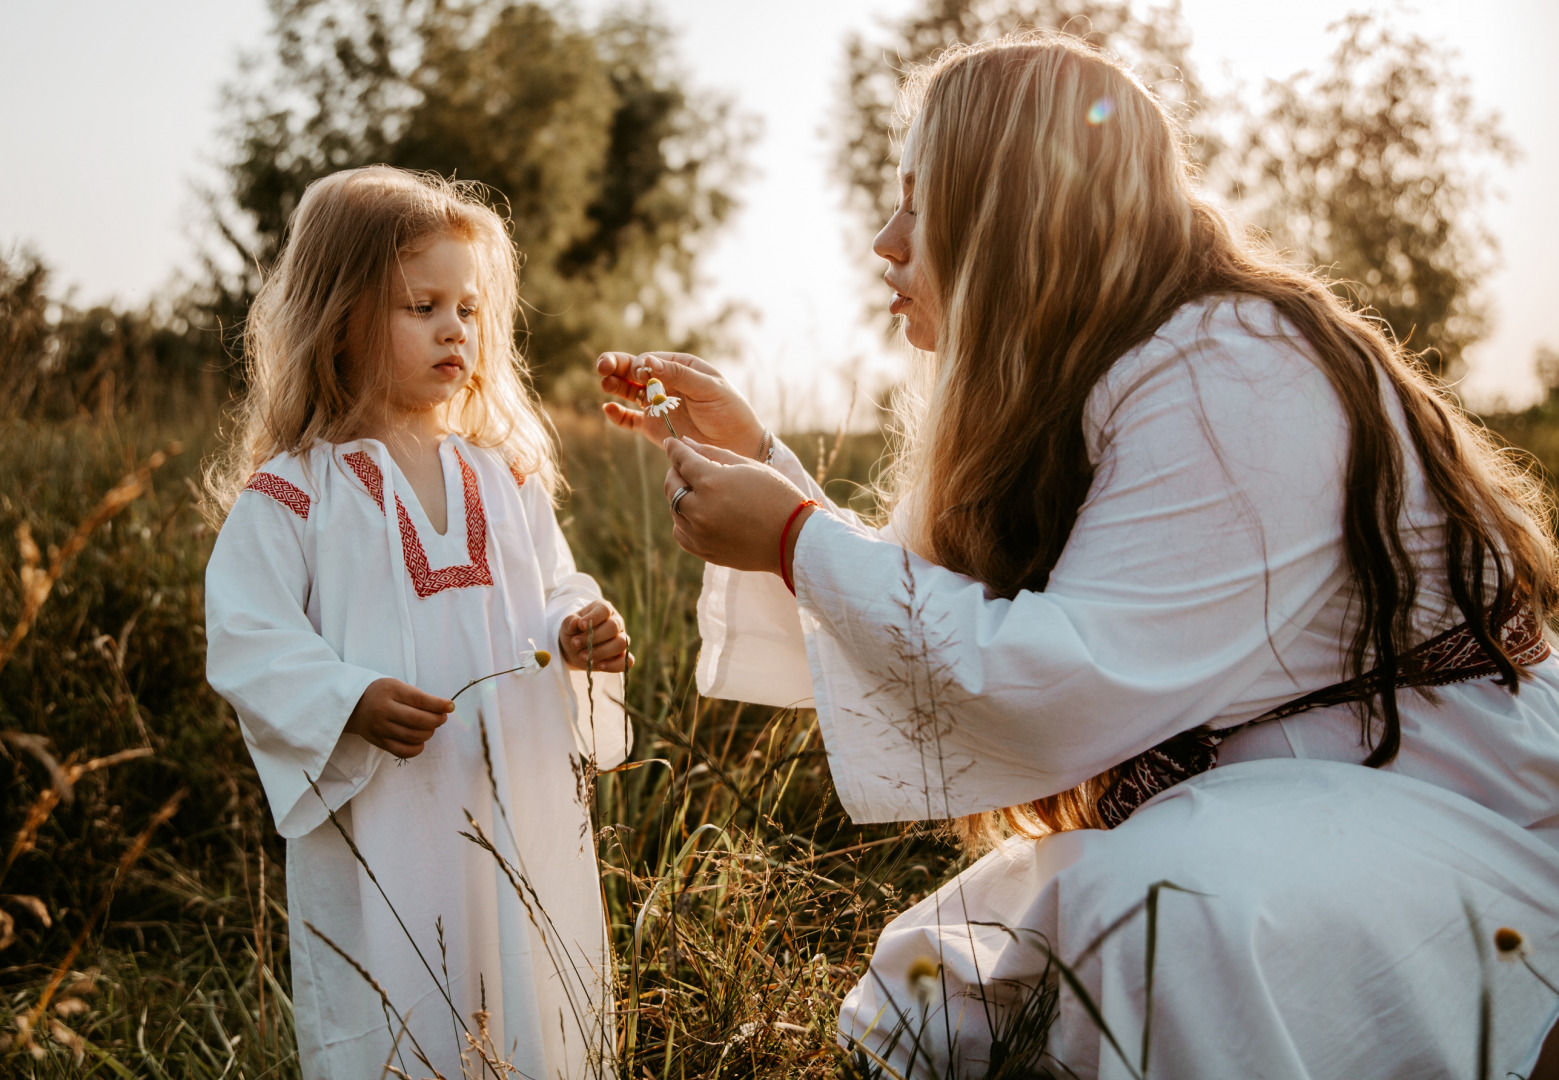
column 712, row 412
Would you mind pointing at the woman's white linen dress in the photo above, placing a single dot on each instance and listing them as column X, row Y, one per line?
column 327, row 576
column 1205, row 582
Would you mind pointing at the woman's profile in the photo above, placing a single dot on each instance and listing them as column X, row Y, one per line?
column 1196, row 602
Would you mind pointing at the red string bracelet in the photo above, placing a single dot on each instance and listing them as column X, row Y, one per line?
column 785, row 536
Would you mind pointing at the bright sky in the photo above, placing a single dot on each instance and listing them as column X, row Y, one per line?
column 112, row 106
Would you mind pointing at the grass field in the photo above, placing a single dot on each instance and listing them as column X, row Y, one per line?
column 143, row 927
column 741, row 900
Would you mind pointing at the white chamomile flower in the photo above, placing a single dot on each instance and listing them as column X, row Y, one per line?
column 658, row 404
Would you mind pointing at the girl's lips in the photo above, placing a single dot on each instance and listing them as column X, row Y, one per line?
column 449, row 367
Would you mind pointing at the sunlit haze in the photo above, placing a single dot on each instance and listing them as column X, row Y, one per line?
column 112, row 111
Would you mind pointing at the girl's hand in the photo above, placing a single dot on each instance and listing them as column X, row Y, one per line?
column 737, row 509
column 597, row 621
column 712, row 411
column 397, row 717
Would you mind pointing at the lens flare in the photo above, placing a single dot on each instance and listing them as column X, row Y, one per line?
column 1101, row 110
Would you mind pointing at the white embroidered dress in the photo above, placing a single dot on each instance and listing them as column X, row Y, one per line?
column 326, row 576
column 1204, row 582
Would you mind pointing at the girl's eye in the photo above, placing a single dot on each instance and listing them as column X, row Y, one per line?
column 421, row 309
column 467, row 312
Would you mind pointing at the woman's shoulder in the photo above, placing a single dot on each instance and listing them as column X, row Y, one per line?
column 1224, row 359
column 1211, row 340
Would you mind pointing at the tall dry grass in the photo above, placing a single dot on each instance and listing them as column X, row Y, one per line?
column 742, row 902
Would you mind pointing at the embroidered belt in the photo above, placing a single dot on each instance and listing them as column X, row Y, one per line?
column 1452, row 657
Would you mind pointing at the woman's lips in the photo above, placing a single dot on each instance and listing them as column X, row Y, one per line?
column 900, row 302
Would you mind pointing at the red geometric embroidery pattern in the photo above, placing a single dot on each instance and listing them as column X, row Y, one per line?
column 514, row 471
column 274, row 486
column 424, row 579
column 369, row 474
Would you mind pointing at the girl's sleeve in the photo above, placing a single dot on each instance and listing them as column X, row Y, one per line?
column 292, row 693
column 753, row 649
column 600, row 723
column 1210, row 538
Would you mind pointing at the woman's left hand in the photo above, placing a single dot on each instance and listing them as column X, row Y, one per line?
column 736, row 510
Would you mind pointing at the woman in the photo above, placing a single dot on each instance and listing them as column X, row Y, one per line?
column 1160, row 504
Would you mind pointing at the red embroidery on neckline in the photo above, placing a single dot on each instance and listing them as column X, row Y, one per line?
column 369, row 474
column 287, row 494
column 425, row 580
column 514, row 471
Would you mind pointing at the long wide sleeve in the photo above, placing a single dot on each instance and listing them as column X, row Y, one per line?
column 292, row 692
column 1208, row 544
column 752, row 645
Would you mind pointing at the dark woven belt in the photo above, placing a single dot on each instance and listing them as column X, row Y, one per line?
column 1452, row 657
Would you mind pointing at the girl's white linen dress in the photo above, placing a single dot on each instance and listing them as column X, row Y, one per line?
column 1341, row 920
column 327, row 576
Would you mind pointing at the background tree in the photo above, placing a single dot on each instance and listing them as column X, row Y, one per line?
column 1156, row 42
column 1369, row 173
column 614, row 175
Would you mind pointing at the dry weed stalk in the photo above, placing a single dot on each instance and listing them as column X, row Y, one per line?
column 28, row 1022
column 38, row 580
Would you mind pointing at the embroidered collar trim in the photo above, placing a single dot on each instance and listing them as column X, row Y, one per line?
column 426, row 580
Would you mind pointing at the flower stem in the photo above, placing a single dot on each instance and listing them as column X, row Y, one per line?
column 494, row 675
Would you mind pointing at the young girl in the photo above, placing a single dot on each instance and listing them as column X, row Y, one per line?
column 389, row 539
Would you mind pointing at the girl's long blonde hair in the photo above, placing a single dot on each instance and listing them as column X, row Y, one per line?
column 344, row 247
column 1060, row 227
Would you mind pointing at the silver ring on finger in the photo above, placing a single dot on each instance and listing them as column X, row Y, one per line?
column 677, row 497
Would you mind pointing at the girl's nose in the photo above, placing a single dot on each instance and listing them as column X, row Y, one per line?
column 453, row 332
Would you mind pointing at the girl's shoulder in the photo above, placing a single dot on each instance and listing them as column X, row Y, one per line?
column 289, row 480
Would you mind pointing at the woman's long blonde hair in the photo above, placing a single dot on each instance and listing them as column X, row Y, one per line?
column 344, row 246
column 1060, row 227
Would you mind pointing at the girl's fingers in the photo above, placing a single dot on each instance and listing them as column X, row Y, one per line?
column 409, row 736
column 418, row 719
column 406, row 694
column 400, row 749
column 621, row 662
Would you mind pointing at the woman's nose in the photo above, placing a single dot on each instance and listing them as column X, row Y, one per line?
column 892, row 243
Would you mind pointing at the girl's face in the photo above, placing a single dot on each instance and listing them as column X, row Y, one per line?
column 913, row 297
column 432, row 325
